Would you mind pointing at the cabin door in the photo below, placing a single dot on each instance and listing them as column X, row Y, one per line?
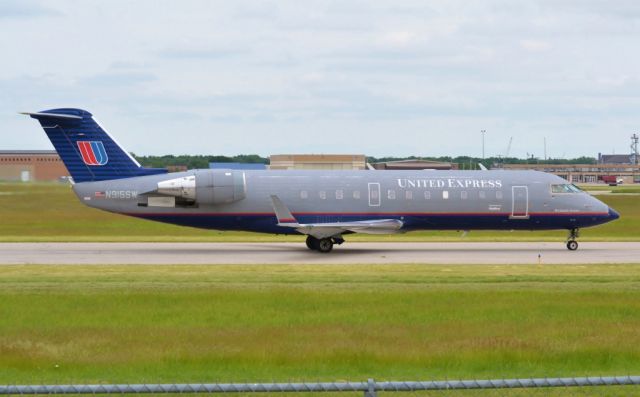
column 519, row 202
column 374, row 194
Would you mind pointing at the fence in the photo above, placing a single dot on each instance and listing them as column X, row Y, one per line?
column 370, row 388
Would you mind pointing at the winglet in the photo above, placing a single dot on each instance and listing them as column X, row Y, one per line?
column 282, row 212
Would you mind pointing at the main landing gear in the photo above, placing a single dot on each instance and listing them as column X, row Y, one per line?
column 572, row 244
column 323, row 245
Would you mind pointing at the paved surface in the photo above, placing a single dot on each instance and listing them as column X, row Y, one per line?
column 297, row 253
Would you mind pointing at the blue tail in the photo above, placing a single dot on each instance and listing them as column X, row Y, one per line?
column 87, row 150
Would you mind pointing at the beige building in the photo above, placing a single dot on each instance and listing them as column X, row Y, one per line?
column 317, row 162
column 415, row 165
column 584, row 173
column 31, row 165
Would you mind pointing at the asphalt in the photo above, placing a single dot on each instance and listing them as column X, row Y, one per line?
column 297, row 253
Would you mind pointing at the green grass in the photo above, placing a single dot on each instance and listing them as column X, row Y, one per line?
column 623, row 188
column 51, row 212
column 124, row 323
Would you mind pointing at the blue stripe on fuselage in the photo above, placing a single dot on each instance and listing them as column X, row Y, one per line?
column 266, row 223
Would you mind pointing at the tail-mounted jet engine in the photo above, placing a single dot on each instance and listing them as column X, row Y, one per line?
column 207, row 187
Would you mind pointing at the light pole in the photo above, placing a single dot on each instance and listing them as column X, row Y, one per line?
column 483, row 132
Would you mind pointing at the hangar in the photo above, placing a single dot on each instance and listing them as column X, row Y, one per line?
column 317, row 162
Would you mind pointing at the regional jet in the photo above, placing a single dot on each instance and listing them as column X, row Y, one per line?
column 323, row 205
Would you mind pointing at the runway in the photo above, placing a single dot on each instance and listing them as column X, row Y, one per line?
column 297, row 253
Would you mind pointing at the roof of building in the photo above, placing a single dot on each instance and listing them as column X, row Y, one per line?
column 330, row 158
column 615, row 158
column 27, row 152
column 238, row 166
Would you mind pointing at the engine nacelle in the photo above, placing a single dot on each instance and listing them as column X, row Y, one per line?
column 207, row 186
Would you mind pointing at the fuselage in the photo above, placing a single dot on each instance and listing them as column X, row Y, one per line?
column 422, row 200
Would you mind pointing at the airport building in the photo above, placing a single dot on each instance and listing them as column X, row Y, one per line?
column 584, row 173
column 31, row 165
column 415, row 165
column 317, row 162
column 350, row 162
column 238, row 166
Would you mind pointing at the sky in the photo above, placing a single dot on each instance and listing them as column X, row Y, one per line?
column 393, row 78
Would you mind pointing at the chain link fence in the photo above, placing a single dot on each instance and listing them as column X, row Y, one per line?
column 370, row 388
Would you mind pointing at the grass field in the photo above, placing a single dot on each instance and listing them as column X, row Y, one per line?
column 51, row 212
column 635, row 188
column 181, row 323
column 277, row 323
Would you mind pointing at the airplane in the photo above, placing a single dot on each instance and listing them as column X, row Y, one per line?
column 323, row 205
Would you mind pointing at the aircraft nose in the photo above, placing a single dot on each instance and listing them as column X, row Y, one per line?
column 613, row 214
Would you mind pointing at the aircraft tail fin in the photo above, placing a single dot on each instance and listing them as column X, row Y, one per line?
column 87, row 150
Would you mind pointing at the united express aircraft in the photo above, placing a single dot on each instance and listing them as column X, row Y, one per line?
column 323, row 205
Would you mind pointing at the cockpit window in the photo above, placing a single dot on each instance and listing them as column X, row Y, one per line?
column 565, row 188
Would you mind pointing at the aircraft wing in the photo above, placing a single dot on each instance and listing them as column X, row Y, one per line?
column 329, row 229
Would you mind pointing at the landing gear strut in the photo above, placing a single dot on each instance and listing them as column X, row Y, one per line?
column 572, row 244
column 323, row 245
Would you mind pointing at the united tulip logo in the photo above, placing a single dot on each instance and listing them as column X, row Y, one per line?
column 93, row 152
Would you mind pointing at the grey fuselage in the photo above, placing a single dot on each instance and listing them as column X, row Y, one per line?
column 436, row 200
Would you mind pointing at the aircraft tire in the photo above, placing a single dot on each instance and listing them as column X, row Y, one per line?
column 325, row 245
column 572, row 245
column 312, row 243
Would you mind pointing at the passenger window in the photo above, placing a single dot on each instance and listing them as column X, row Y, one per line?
column 391, row 194
column 408, row 195
column 463, row 195
column 339, row 194
column 445, row 194
column 482, row 194
column 322, row 194
column 427, row 195
column 356, row 194
column 304, row 194
column 499, row 195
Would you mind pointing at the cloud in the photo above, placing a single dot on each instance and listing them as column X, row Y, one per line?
column 200, row 53
column 258, row 76
column 535, row 45
column 118, row 79
column 25, row 9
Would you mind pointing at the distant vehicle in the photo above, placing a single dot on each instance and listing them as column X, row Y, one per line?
column 612, row 180
column 324, row 205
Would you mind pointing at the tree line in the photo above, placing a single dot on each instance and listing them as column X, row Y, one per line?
column 464, row 162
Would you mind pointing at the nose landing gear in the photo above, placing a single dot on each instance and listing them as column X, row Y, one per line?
column 572, row 244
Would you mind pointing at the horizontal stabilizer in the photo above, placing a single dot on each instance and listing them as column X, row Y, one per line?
column 37, row 115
